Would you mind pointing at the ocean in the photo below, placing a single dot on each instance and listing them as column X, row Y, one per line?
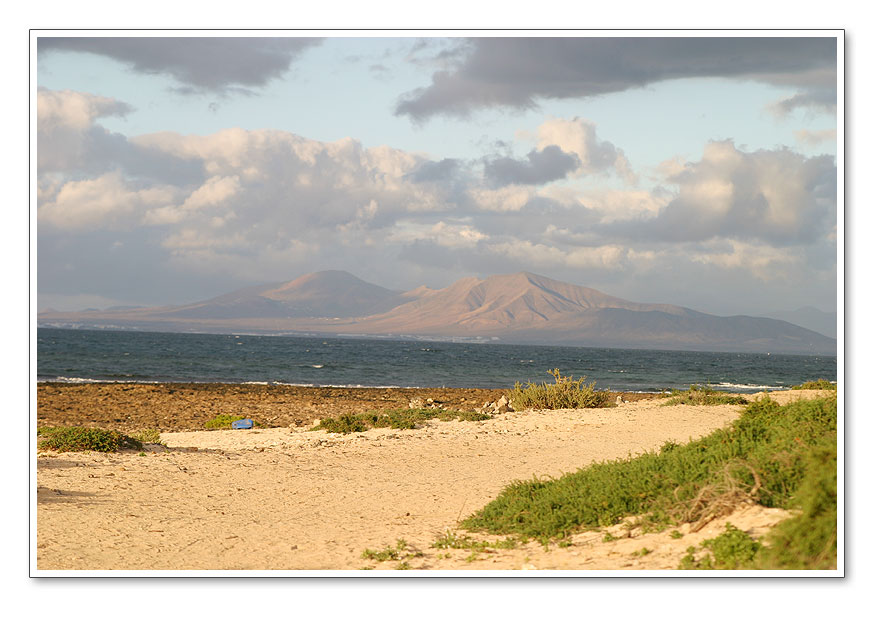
column 74, row 355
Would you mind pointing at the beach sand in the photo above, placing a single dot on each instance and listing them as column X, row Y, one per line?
column 286, row 498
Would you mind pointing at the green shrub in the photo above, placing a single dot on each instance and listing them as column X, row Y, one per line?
column 822, row 385
column 149, row 435
column 399, row 418
column 400, row 552
column 73, row 439
column 732, row 549
column 222, row 422
column 778, row 456
column 698, row 395
column 564, row 393
column 810, row 540
column 451, row 540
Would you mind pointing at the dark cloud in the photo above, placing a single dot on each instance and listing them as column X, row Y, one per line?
column 97, row 150
column 515, row 72
column 200, row 64
column 435, row 171
column 539, row 167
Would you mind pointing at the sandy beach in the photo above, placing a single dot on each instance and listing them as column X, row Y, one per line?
column 286, row 498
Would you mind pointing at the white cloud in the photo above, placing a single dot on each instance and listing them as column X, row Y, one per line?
column 579, row 136
column 814, row 138
column 447, row 235
column 103, row 202
column 505, row 199
column 528, row 253
column 764, row 262
column 72, row 110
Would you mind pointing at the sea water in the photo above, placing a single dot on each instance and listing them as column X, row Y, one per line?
column 134, row 356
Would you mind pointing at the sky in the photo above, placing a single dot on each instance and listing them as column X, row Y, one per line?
column 700, row 171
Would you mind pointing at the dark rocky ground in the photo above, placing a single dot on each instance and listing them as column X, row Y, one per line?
column 178, row 407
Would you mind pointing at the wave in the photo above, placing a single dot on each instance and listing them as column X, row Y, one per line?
column 750, row 387
column 88, row 380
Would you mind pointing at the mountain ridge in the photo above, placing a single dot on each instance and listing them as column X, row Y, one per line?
column 520, row 307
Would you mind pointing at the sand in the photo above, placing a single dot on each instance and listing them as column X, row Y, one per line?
column 290, row 499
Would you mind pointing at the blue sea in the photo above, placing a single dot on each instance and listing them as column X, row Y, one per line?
column 67, row 355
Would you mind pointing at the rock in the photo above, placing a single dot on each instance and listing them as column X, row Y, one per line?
column 417, row 402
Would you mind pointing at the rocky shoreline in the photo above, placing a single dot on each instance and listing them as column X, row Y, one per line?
column 175, row 407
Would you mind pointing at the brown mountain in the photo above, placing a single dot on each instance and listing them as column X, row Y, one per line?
column 522, row 307
column 499, row 304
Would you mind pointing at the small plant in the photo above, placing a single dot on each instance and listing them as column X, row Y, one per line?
column 73, row 439
column 732, row 549
column 565, row 393
column 698, row 395
column 150, row 435
column 821, row 385
column 642, row 552
column 400, row 552
column 676, row 535
column 344, row 424
column 222, row 422
column 399, row 419
column 451, row 540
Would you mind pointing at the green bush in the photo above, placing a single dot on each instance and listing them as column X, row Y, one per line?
column 810, row 540
column 564, row 393
column 732, row 549
column 698, row 395
column 222, row 422
column 73, row 439
column 149, row 435
column 400, row 419
column 778, row 456
column 822, row 385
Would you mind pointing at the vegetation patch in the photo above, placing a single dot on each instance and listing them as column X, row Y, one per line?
column 778, row 456
column 732, row 549
column 451, row 540
column 399, row 418
column 564, row 393
column 698, row 395
column 149, row 435
column 818, row 385
column 73, row 439
column 222, row 422
column 401, row 552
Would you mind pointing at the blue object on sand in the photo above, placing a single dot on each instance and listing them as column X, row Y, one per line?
column 242, row 424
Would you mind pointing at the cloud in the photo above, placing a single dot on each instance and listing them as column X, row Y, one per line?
column 199, row 64
column 106, row 201
column 579, row 137
column 539, row 167
column 67, row 109
column 71, row 143
column 268, row 205
column 517, row 72
column 431, row 170
column 813, row 138
column 778, row 197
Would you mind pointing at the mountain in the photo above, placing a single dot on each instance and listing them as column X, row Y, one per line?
column 522, row 307
column 811, row 318
column 328, row 294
